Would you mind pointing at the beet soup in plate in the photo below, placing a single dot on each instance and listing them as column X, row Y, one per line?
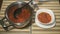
column 45, row 18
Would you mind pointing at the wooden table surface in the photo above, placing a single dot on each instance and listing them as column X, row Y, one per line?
column 34, row 29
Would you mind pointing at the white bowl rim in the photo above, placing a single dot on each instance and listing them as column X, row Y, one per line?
column 47, row 11
column 43, row 26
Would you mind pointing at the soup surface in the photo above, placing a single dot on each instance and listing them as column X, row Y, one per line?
column 22, row 17
column 44, row 17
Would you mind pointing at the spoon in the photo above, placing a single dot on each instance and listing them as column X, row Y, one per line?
column 19, row 10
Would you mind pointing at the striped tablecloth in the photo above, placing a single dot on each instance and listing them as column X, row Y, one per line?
column 55, row 7
column 2, row 14
column 34, row 29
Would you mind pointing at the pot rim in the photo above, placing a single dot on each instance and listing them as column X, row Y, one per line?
column 17, row 3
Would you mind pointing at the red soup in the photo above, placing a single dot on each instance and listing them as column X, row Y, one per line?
column 44, row 17
column 22, row 17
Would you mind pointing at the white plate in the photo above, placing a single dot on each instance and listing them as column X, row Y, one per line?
column 52, row 22
column 46, row 26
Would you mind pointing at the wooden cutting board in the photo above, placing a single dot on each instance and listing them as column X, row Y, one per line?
column 34, row 29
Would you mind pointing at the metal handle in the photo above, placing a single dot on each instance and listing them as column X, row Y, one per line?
column 4, row 24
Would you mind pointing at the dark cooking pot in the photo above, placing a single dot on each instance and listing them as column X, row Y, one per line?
column 12, row 11
column 17, row 5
